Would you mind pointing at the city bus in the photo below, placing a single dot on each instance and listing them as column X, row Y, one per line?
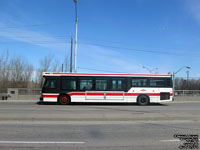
column 143, row 89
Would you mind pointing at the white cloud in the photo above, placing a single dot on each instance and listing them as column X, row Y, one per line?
column 32, row 37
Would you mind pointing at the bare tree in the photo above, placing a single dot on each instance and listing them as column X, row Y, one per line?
column 14, row 72
column 20, row 72
column 4, row 72
column 66, row 64
column 47, row 64
column 183, row 84
column 56, row 66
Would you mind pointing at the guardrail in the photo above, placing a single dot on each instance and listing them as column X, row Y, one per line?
column 28, row 91
column 187, row 93
column 24, row 93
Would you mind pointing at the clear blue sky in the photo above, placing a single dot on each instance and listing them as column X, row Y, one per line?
column 113, row 35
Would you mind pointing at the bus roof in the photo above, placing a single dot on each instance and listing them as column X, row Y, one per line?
column 105, row 74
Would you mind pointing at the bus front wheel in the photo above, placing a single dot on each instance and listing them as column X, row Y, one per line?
column 143, row 100
column 64, row 100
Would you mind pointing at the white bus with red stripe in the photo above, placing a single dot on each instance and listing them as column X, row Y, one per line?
column 143, row 89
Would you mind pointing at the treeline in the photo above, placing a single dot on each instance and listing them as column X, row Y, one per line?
column 17, row 72
column 190, row 84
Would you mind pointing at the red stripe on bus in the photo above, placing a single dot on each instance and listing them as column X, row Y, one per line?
column 77, row 94
column 131, row 94
column 114, row 94
column 50, row 96
column 83, row 93
column 95, row 94
column 136, row 94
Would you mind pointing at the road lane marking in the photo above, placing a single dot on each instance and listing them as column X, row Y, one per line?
column 169, row 140
column 39, row 142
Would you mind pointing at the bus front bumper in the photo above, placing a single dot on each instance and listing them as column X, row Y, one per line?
column 41, row 99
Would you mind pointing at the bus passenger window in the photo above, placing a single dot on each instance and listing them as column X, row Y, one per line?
column 85, row 85
column 118, row 85
column 114, row 85
column 139, row 82
column 68, row 84
column 160, row 82
column 101, row 85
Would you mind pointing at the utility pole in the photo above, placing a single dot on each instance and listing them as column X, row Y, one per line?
column 71, row 55
column 187, row 78
column 76, row 30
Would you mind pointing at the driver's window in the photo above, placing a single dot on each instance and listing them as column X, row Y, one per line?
column 50, row 84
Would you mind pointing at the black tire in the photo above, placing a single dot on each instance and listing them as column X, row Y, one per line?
column 143, row 100
column 64, row 100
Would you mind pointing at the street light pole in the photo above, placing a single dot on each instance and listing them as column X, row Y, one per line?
column 174, row 73
column 76, row 30
column 150, row 70
column 155, row 70
column 187, row 77
column 147, row 69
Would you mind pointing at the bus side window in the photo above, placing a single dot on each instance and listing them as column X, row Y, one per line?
column 114, row 85
column 101, row 84
column 159, row 82
column 118, row 84
column 139, row 82
column 86, row 84
column 68, row 84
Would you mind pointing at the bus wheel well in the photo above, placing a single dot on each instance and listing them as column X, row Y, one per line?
column 64, row 99
column 143, row 99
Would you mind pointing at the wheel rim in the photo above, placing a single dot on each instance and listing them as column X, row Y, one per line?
column 64, row 100
column 143, row 100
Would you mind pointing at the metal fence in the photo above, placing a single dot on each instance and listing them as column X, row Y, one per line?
column 24, row 93
column 187, row 93
column 28, row 91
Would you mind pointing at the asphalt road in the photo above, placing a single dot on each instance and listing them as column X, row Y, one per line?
column 27, row 125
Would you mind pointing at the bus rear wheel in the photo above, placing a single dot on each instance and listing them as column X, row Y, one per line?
column 143, row 100
column 64, row 100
